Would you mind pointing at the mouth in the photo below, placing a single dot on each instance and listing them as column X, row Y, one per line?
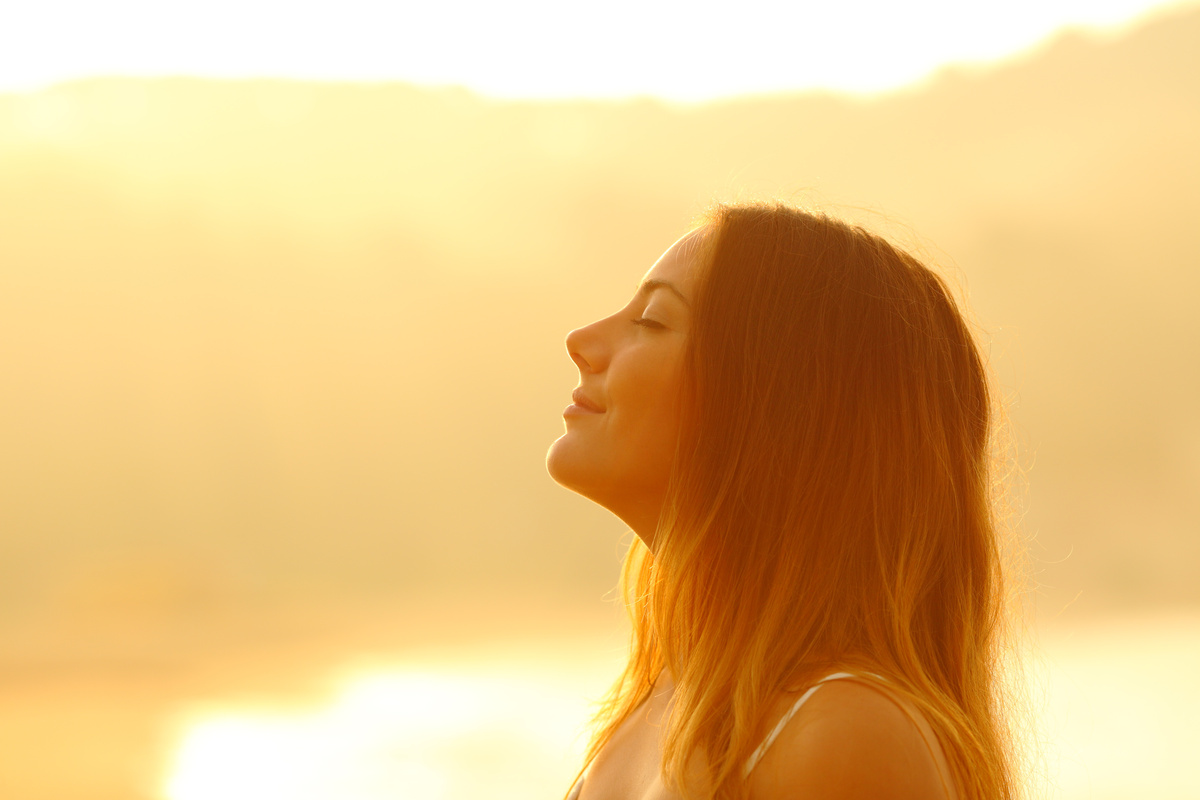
column 582, row 404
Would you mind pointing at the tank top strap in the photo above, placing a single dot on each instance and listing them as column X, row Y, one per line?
column 757, row 755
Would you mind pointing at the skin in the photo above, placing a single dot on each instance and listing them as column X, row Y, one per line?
column 849, row 741
column 630, row 364
column 852, row 741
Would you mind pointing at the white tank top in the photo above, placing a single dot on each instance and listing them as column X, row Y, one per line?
column 757, row 755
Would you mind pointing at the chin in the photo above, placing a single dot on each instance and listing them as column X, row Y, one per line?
column 568, row 466
column 558, row 461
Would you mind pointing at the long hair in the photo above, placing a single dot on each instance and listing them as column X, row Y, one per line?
column 829, row 507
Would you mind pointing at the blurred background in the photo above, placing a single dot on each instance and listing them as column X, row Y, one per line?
column 283, row 293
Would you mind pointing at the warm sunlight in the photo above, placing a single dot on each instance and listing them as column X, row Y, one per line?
column 478, row 728
column 435, row 734
column 1116, row 721
column 281, row 358
column 537, row 48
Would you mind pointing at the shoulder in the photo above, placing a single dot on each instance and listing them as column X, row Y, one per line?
column 850, row 741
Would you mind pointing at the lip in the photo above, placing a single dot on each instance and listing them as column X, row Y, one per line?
column 582, row 404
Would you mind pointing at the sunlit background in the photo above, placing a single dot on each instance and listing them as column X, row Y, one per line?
column 283, row 289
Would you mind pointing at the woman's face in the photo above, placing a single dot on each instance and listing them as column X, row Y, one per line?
column 622, row 428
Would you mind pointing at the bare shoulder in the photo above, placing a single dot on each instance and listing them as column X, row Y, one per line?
column 851, row 741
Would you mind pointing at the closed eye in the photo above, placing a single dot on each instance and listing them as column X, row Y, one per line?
column 648, row 323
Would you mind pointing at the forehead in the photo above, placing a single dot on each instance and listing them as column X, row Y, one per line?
column 678, row 264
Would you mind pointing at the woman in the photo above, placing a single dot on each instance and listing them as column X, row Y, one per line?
column 793, row 418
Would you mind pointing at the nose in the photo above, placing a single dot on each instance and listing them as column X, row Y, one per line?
column 582, row 347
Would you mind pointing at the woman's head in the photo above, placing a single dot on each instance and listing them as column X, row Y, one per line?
column 827, row 500
column 622, row 427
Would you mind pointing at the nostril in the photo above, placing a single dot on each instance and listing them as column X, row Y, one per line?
column 574, row 343
column 579, row 360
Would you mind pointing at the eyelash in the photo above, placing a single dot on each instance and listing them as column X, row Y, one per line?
column 648, row 323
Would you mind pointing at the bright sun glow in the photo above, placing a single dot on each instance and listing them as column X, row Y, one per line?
column 1118, row 704
column 438, row 734
column 1115, row 706
column 537, row 48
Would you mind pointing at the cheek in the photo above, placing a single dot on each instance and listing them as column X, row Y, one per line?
column 651, row 424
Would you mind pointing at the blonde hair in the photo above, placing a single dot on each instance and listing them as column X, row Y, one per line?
column 829, row 506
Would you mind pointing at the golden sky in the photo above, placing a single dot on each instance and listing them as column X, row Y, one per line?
column 540, row 48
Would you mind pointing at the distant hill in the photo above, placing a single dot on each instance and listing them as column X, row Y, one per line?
column 280, row 344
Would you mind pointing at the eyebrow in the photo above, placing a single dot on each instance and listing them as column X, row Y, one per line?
column 651, row 284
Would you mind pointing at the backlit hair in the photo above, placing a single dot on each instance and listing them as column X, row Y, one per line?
column 830, row 505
